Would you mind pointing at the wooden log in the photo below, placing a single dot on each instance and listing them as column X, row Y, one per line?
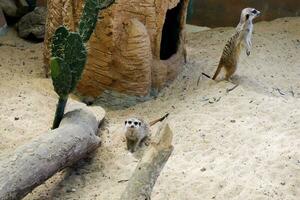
column 147, row 171
column 33, row 163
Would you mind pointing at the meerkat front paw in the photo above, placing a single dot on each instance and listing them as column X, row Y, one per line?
column 248, row 52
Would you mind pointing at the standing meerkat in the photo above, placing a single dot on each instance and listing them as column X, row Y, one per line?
column 233, row 47
column 137, row 130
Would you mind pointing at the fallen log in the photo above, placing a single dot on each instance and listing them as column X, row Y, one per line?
column 142, row 181
column 33, row 163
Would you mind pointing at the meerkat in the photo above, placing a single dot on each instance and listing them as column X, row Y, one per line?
column 137, row 130
column 233, row 47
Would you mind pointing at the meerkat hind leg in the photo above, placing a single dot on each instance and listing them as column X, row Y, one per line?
column 130, row 145
column 229, row 71
column 137, row 144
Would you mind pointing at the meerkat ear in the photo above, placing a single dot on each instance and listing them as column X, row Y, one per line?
column 125, row 122
column 247, row 16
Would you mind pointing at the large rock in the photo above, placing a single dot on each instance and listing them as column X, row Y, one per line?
column 33, row 24
column 9, row 7
column 23, row 7
column 3, row 25
column 137, row 47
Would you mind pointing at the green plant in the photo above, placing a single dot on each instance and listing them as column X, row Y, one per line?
column 69, row 55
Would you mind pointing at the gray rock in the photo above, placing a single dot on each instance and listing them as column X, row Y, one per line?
column 33, row 23
column 9, row 7
column 3, row 25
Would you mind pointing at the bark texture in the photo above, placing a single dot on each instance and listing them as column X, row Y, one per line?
column 147, row 171
column 33, row 163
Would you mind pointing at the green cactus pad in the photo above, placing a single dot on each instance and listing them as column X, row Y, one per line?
column 61, row 76
column 75, row 57
column 58, row 42
column 88, row 19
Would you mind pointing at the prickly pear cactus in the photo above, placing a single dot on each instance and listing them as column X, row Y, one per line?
column 75, row 57
column 69, row 55
column 89, row 17
column 61, row 76
column 58, row 42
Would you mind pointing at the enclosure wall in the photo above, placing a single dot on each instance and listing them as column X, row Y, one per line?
column 216, row 13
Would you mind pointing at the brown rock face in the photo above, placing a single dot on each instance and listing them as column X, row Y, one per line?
column 138, row 45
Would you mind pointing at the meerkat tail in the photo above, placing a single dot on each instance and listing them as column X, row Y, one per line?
column 217, row 72
column 159, row 120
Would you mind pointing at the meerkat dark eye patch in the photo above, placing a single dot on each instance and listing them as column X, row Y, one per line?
column 254, row 11
column 136, row 123
column 129, row 122
column 247, row 16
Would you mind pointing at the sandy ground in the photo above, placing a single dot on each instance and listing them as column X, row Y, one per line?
column 241, row 144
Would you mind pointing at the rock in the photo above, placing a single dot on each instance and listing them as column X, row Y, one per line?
column 125, row 48
column 33, row 24
column 3, row 25
column 9, row 7
column 23, row 7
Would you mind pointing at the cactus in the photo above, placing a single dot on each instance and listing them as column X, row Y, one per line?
column 69, row 55
column 89, row 17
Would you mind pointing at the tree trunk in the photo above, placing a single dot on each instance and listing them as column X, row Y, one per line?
column 147, row 171
column 35, row 162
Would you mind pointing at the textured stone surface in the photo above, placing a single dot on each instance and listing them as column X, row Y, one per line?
column 124, row 51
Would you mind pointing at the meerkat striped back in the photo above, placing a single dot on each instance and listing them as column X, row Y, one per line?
column 230, row 46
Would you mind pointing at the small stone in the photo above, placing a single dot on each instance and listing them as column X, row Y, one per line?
column 203, row 169
column 17, row 118
column 71, row 190
column 282, row 183
column 33, row 23
column 232, row 121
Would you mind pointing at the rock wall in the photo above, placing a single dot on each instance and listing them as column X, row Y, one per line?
column 217, row 13
column 124, row 50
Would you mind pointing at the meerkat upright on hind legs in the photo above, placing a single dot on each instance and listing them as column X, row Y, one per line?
column 137, row 130
column 242, row 37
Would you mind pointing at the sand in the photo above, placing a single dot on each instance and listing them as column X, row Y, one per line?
column 239, row 144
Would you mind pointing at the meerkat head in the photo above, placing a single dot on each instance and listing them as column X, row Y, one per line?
column 248, row 14
column 132, row 123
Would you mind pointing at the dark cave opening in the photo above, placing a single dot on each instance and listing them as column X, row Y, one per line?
column 171, row 32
